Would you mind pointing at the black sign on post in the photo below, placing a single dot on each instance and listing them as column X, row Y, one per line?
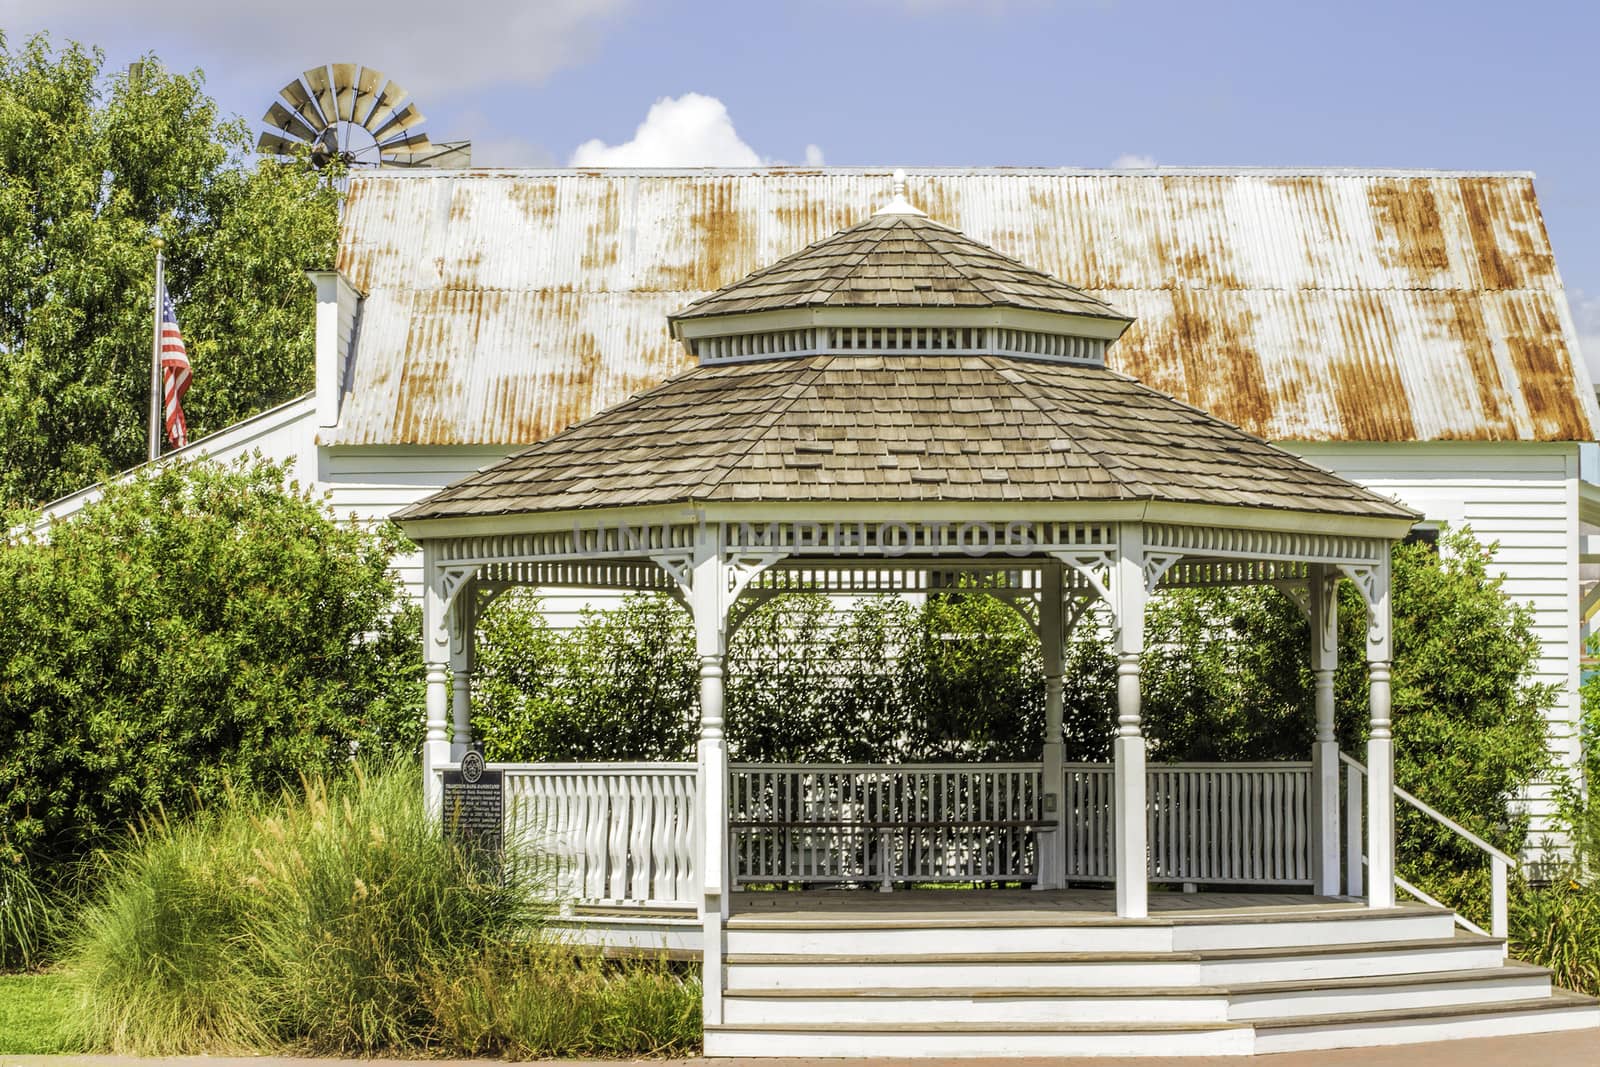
column 475, row 806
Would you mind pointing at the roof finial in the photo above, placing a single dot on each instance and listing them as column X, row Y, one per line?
column 898, row 204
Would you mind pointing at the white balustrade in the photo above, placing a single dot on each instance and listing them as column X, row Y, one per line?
column 884, row 823
column 611, row 831
column 1217, row 823
column 626, row 832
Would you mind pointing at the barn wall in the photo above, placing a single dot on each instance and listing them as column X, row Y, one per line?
column 1523, row 496
column 370, row 484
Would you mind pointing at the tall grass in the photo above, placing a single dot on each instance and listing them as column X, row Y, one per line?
column 1558, row 926
column 538, row 1001
column 311, row 923
column 28, row 917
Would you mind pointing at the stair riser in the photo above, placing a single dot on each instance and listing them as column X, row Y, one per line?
column 1249, row 1008
column 1292, row 968
column 1329, row 932
column 933, row 1010
column 954, row 940
column 841, row 941
column 961, row 976
column 1489, row 1024
column 858, row 1043
column 1106, row 974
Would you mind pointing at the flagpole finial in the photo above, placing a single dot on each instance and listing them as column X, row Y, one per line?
column 158, row 243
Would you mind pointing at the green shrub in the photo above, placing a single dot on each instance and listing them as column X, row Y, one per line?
column 540, row 1001
column 880, row 681
column 622, row 685
column 309, row 924
column 199, row 625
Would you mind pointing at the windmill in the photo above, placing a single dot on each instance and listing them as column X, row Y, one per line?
column 353, row 113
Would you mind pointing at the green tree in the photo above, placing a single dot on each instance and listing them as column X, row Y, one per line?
column 92, row 167
column 199, row 625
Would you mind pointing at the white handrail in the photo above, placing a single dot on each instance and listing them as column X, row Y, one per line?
column 1499, row 862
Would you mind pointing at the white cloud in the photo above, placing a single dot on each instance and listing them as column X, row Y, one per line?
column 693, row 130
column 432, row 49
column 1130, row 161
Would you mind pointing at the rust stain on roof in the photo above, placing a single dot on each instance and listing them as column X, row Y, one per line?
column 604, row 246
column 1301, row 306
column 1367, row 389
column 1406, row 218
column 536, row 199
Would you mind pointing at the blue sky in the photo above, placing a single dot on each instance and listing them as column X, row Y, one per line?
column 1467, row 85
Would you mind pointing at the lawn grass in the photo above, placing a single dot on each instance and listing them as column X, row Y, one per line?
column 31, row 1010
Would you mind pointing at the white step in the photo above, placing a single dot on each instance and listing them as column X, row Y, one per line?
column 987, row 1040
column 1559, row 1011
column 943, row 970
column 1353, row 996
column 1454, row 953
column 1195, row 1004
column 1041, row 932
column 932, row 1006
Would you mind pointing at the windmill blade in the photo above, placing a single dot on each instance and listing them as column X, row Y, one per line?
column 301, row 104
column 281, row 118
column 383, row 110
column 366, row 94
column 275, row 145
column 317, row 79
column 344, row 90
column 407, row 144
column 403, row 119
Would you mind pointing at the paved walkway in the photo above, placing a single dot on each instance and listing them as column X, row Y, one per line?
column 1579, row 1048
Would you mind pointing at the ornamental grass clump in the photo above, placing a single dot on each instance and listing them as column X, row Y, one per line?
column 540, row 1000
column 309, row 924
column 28, row 917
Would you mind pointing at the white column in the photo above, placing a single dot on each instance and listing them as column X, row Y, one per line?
column 1323, row 586
column 436, row 660
column 1052, row 637
column 708, row 597
column 1380, row 749
column 463, row 658
column 1128, row 749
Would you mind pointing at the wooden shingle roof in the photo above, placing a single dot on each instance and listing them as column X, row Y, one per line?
column 901, row 261
column 854, row 428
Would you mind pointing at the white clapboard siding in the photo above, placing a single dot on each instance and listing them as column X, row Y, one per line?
column 373, row 483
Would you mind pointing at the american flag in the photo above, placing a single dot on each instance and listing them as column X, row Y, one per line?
column 175, row 372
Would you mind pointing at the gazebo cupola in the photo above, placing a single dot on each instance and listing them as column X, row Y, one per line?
column 899, row 284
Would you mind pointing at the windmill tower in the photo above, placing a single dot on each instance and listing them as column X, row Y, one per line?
column 353, row 113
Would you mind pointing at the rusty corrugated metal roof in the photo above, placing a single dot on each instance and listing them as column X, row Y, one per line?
column 504, row 306
column 902, row 260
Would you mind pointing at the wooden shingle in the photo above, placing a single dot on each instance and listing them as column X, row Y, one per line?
column 920, row 427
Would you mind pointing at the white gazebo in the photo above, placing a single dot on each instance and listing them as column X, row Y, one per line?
column 900, row 409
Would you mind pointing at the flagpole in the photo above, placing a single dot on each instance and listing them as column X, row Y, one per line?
column 155, row 363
